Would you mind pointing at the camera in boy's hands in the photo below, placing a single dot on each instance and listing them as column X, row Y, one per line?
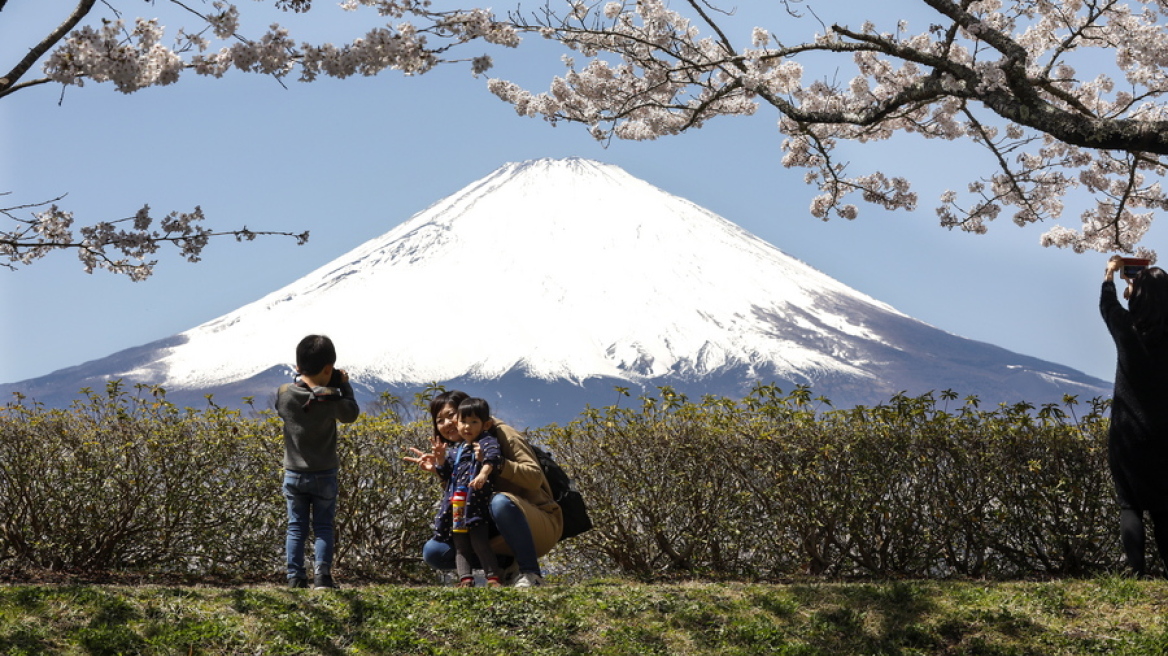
column 333, row 390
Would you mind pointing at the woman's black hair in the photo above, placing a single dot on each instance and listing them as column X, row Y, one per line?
column 1149, row 305
column 475, row 407
column 452, row 398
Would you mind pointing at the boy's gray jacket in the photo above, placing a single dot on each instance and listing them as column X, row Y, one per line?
column 310, row 426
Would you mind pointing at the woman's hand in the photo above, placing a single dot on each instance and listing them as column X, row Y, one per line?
column 421, row 459
column 429, row 461
column 1114, row 264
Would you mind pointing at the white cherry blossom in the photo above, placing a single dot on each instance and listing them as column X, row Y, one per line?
column 95, row 44
column 1066, row 99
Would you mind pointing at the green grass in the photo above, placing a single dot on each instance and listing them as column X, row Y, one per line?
column 1099, row 616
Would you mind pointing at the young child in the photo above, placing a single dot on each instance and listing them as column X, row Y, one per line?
column 311, row 408
column 465, row 470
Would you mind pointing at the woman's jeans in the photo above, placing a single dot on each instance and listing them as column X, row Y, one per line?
column 312, row 501
column 512, row 525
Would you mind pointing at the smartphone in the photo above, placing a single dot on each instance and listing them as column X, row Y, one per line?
column 1133, row 265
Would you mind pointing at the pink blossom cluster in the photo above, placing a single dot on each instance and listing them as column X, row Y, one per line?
column 647, row 94
column 105, row 245
column 136, row 59
column 108, row 244
column 140, row 57
column 1066, row 99
column 108, row 54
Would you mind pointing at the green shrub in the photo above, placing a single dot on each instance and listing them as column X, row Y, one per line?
column 126, row 481
column 776, row 485
column 767, row 487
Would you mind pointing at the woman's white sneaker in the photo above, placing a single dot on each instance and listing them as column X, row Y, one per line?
column 528, row 580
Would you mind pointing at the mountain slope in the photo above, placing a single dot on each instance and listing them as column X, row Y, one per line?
column 549, row 281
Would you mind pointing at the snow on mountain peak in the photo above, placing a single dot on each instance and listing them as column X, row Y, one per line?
column 565, row 269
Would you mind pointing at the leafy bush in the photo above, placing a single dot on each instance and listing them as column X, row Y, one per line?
column 126, row 481
column 770, row 486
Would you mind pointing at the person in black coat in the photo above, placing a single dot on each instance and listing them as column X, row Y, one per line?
column 1138, row 438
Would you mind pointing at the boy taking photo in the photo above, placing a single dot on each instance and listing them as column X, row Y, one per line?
column 311, row 408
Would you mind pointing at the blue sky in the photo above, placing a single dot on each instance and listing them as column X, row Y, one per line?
column 351, row 159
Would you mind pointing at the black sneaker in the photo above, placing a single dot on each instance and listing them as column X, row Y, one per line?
column 324, row 582
column 298, row 582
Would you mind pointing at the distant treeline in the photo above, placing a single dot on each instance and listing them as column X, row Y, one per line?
column 771, row 486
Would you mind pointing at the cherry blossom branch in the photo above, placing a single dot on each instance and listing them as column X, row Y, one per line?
column 700, row 8
column 1020, row 103
column 1009, row 183
column 51, row 230
column 8, row 83
column 984, row 66
column 988, row 66
column 133, row 56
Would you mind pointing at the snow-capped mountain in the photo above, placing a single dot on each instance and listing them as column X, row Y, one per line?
column 546, row 283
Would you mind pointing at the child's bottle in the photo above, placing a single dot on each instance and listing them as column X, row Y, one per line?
column 458, row 509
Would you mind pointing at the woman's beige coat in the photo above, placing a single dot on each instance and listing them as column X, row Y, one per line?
column 522, row 480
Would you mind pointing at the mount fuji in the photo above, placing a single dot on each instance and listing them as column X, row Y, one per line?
column 546, row 284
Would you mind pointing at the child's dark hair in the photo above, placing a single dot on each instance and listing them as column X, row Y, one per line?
column 314, row 353
column 475, row 407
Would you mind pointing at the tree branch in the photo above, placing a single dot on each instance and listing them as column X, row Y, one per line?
column 1020, row 103
column 52, row 230
column 36, row 52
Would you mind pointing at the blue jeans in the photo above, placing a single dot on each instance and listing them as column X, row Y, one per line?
column 512, row 525
column 312, row 500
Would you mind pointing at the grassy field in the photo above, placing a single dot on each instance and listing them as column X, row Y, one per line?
column 1098, row 616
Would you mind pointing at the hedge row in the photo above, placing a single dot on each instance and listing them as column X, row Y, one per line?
column 776, row 485
column 770, row 486
column 127, row 481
